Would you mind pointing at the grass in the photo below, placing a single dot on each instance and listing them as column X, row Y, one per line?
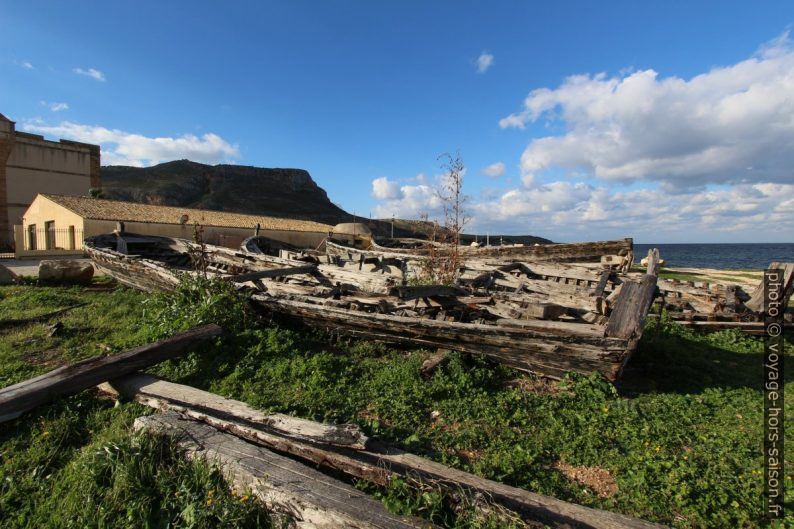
column 679, row 442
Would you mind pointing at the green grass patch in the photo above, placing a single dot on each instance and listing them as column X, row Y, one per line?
column 678, row 442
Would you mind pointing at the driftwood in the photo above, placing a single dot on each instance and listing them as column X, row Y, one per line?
column 304, row 496
column 24, row 396
column 5, row 324
column 376, row 462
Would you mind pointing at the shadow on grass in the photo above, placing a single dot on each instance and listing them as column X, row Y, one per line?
column 672, row 359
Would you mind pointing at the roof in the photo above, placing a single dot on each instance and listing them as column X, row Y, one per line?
column 118, row 210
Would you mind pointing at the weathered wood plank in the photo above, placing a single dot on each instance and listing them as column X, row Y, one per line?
column 426, row 291
column 148, row 389
column 305, row 496
column 24, row 396
column 756, row 301
column 275, row 272
column 380, row 464
column 633, row 303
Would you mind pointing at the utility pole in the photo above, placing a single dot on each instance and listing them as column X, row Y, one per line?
column 392, row 225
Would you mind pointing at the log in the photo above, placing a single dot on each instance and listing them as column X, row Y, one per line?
column 299, row 494
column 380, row 464
column 24, row 396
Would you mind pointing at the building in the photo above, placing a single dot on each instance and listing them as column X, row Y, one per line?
column 56, row 224
column 30, row 165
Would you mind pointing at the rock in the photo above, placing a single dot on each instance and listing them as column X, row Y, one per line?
column 7, row 277
column 65, row 271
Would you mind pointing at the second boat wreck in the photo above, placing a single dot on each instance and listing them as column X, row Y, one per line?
column 545, row 317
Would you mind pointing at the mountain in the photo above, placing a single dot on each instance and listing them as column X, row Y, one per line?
column 287, row 193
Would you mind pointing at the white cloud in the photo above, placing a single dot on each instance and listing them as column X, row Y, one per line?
column 729, row 125
column 91, row 72
column 494, row 170
column 385, row 189
column 564, row 211
column 125, row 148
column 26, row 65
column 55, row 107
column 484, row 61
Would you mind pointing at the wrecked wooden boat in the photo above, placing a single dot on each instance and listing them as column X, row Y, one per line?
column 619, row 253
column 154, row 263
column 545, row 318
column 716, row 306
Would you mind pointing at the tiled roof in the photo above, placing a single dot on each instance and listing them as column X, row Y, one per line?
column 117, row 210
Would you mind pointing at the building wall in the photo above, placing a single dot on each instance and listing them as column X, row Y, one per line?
column 30, row 165
column 219, row 236
column 44, row 210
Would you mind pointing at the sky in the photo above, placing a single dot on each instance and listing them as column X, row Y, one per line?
column 666, row 122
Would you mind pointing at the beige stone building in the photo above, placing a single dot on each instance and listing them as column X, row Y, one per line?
column 58, row 224
column 30, row 165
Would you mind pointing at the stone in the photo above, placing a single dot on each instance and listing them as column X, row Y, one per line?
column 7, row 277
column 65, row 271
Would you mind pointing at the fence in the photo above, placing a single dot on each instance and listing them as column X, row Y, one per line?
column 52, row 239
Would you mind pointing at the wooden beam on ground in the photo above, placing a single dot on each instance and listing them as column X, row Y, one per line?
column 376, row 463
column 24, row 396
column 150, row 390
column 304, row 496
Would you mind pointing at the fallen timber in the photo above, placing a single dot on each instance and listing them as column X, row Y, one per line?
column 374, row 461
column 718, row 306
column 300, row 496
column 545, row 318
column 24, row 396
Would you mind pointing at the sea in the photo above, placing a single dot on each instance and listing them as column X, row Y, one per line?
column 723, row 256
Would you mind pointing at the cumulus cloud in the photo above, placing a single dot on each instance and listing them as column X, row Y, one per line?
column 494, row 170
column 385, row 189
column 409, row 202
column 55, row 107
column 484, row 61
column 565, row 211
column 125, row 148
column 91, row 72
column 732, row 124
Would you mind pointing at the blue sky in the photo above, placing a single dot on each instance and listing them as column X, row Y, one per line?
column 576, row 120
